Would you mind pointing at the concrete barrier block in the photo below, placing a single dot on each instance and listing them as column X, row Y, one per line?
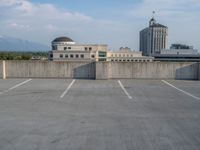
column 121, row 70
column 187, row 71
column 50, row 69
column 147, row 70
column 102, row 69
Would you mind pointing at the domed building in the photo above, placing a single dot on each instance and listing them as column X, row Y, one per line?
column 65, row 49
column 61, row 42
column 63, row 39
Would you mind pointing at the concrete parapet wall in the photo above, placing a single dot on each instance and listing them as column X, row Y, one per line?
column 1, row 69
column 146, row 70
column 199, row 72
column 49, row 69
column 101, row 70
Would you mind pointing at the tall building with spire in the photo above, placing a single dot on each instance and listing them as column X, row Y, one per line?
column 153, row 38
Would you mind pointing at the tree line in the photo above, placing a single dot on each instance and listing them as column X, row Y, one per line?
column 22, row 55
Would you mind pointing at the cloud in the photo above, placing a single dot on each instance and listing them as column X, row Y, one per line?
column 24, row 8
column 19, row 26
column 38, row 18
column 10, row 2
column 42, row 22
column 181, row 16
column 170, row 9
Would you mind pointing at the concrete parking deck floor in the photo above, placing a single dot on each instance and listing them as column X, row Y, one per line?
column 61, row 114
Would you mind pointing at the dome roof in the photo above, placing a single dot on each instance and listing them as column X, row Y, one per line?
column 63, row 39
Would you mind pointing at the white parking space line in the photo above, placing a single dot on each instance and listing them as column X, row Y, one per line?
column 65, row 92
column 123, row 88
column 16, row 86
column 187, row 93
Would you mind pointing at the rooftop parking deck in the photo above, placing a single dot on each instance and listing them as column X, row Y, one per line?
column 67, row 114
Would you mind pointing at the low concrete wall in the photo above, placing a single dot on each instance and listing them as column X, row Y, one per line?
column 101, row 70
column 199, row 71
column 1, row 69
column 146, row 70
column 50, row 69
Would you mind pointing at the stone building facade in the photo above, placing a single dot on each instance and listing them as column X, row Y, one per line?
column 153, row 38
column 65, row 49
column 127, row 55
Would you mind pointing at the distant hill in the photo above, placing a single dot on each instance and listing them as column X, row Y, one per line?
column 15, row 44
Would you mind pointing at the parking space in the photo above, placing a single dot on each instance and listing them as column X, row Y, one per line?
column 9, row 83
column 192, row 87
column 61, row 114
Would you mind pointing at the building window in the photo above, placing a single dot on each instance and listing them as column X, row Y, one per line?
column 65, row 48
column 92, row 56
column 77, row 56
column 112, row 60
column 71, row 56
column 90, row 48
column 86, row 48
column 69, row 48
column 82, row 56
column 51, row 55
column 102, row 59
column 54, row 47
column 66, row 55
column 61, row 55
column 102, row 54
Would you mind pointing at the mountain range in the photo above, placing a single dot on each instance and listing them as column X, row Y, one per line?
column 16, row 44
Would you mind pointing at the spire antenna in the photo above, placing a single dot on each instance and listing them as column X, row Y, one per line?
column 154, row 14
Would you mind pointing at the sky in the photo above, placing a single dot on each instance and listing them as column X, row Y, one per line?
column 113, row 22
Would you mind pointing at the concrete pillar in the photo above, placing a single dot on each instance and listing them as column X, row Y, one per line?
column 4, row 69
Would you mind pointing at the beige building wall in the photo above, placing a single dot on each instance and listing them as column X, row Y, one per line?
column 65, row 50
column 127, row 55
column 76, row 52
column 81, row 47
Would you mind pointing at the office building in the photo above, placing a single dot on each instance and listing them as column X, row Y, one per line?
column 65, row 49
column 178, row 52
column 127, row 55
column 153, row 38
column 180, row 49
